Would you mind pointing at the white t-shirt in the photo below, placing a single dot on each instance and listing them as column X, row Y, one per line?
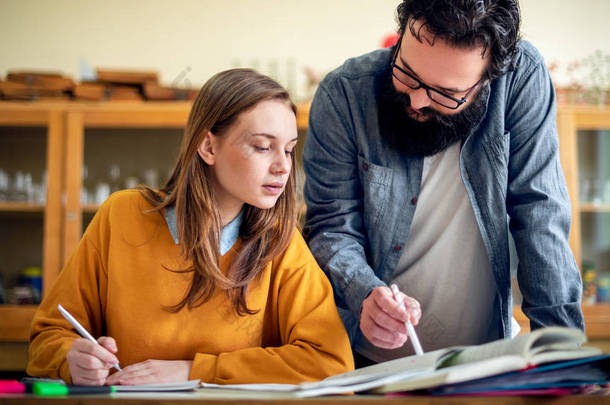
column 444, row 265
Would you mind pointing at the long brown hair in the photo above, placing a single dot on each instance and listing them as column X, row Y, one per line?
column 265, row 233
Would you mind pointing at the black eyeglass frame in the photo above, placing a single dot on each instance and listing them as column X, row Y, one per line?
column 429, row 89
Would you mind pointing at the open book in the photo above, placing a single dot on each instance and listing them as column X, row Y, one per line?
column 441, row 367
column 468, row 363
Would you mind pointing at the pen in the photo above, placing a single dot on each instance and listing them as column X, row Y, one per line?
column 408, row 324
column 79, row 328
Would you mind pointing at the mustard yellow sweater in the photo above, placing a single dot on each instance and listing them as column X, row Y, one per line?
column 115, row 284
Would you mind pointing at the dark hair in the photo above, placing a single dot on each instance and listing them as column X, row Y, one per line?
column 492, row 24
column 265, row 233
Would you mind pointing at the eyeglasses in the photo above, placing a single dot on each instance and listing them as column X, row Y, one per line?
column 414, row 83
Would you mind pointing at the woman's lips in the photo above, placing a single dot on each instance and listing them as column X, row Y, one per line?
column 274, row 188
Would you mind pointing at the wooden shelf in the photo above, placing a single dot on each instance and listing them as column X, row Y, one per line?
column 135, row 114
column 12, row 206
column 15, row 322
column 90, row 208
column 104, row 114
column 29, row 114
column 591, row 207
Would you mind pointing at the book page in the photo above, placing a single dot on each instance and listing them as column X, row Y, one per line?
column 361, row 379
column 347, row 384
column 548, row 356
column 426, row 361
column 456, row 374
column 524, row 346
column 263, row 387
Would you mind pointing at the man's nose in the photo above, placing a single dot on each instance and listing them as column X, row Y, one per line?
column 419, row 99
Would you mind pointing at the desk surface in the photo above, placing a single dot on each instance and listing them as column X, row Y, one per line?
column 197, row 398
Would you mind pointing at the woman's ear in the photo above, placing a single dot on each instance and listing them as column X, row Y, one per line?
column 207, row 149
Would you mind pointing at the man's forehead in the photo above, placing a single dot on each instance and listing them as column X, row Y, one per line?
column 439, row 63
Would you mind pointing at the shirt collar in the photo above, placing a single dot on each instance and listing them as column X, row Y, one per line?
column 228, row 235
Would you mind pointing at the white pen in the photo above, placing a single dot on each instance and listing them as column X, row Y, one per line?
column 408, row 324
column 79, row 328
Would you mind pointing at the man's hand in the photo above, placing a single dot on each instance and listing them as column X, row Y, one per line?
column 89, row 363
column 382, row 320
column 152, row 372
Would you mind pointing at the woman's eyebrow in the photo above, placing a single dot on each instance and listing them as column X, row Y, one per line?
column 269, row 136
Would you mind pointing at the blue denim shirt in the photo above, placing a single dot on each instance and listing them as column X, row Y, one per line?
column 359, row 191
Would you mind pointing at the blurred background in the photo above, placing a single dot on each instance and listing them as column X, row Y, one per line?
column 186, row 41
column 94, row 97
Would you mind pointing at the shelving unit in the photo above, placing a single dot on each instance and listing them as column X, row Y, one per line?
column 112, row 115
column 69, row 125
column 66, row 126
column 14, row 320
column 6, row 206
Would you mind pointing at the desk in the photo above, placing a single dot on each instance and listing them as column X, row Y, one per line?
column 194, row 398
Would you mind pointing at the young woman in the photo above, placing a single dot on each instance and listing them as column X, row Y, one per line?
column 207, row 278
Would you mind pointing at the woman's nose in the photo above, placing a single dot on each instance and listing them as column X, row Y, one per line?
column 282, row 163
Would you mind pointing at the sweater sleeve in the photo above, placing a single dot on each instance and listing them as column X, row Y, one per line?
column 80, row 288
column 314, row 344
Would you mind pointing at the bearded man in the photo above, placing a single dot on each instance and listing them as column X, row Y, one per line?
column 422, row 161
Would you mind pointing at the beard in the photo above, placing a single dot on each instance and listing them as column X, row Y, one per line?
column 425, row 138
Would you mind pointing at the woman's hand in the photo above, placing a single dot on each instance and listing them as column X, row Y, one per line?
column 89, row 363
column 152, row 372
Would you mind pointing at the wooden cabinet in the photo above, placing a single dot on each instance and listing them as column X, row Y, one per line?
column 107, row 137
column 78, row 144
column 31, row 141
column 71, row 136
column 134, row 137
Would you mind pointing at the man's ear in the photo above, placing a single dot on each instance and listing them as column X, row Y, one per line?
column 207, row 149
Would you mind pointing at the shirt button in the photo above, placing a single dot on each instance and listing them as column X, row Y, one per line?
column 365, row 167
column 414, row 200
column 397, row 248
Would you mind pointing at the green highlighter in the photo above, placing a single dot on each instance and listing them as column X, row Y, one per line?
column 52, row 389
